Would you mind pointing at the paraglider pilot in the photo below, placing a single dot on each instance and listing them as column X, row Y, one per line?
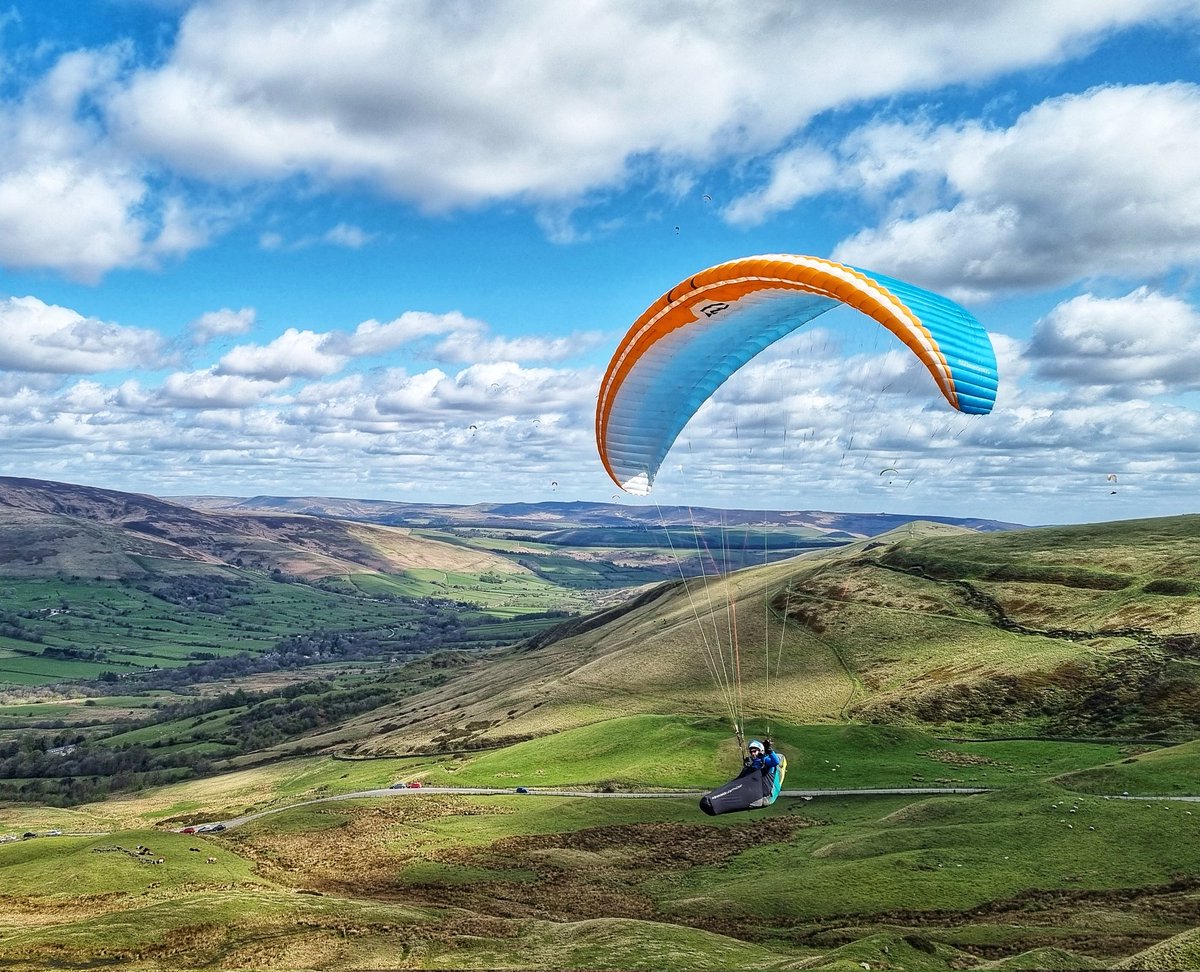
column 756, row 786
column 761, row 756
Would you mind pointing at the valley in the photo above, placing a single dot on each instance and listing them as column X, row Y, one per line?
column 1053, row 669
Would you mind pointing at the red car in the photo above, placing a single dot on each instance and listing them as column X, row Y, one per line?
column 188, row 830
column 413, row 784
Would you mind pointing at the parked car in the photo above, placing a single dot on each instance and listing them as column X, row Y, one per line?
column 414, row 784
column 188, row 830
column 521, row 789
column 398, row 786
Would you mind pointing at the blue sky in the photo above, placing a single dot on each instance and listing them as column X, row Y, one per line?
column 381, row 249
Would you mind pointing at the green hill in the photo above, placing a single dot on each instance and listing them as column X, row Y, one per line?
column 918, row 658
column 49, row 529
column 1081, row 631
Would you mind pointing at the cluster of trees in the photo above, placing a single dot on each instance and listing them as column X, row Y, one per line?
column 31, row 772
column 71, row 768
column 70, row 653
column 12, row 626
column 213, row 595
column 277, row 720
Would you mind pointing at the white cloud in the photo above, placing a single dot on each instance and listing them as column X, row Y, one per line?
column 1143, row 343
column 293, row 354
column 70, row 200
column 549, row 100
column 802, row 427
column 464, row 340
column 35, row 336
column 347, row 235
column 487, row 390
column 372, row 337
column 795, row 175
column 1105, row 182
column 221, row 323
column 344, row 235
column 538, row 102
column 468, row 346
column 207, row 389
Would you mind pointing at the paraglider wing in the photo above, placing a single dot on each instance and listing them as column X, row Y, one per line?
column 690, row 340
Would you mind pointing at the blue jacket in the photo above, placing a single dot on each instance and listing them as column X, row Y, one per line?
column 773, row 766
column 767, row 762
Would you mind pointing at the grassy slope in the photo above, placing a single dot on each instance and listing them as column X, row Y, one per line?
column 434, row 882
column 1181, row 951
column 1163, row 772
column 887, row 629
column 58, row 528
column 631, row 752
column 641, row 884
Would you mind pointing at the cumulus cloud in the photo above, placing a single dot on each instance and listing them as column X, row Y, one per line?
column 221, row 323
column 465, row 346
column 208, row 389
column 463, row 340
column 537, row 102
column 547, row 101
column 35, row 336
column 373, row 337
column 1100, row 183
column 1143, row 343
column 293, row 353
column 483, row 390
column 70, row 200
column 808, row 424
column 452, row 338
column 795, row 175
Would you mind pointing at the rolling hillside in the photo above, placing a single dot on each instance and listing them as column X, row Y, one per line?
column 1077, row 630
column 878, row 651
column 58, row 528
